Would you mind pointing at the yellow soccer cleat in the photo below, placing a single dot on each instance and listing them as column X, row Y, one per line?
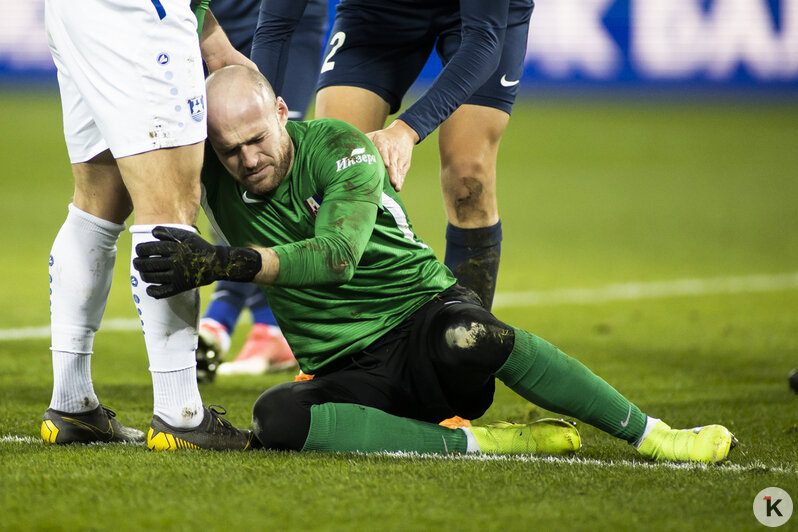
column 545, row 436
column 214, row 432
column 710, row 444
column 97, row 425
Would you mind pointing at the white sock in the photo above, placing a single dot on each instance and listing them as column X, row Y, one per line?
column 73, row 391
column 471, row 442
column 176, row 398
column 170, row 334
column 81, row 268
column 650, row 422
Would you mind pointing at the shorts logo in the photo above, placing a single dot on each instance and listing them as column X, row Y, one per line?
column 506, row 83
column 197, row 108
column 163, row 59
column 312, row 204
column 357, row 156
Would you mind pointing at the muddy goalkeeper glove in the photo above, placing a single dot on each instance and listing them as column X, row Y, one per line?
column 181, row 260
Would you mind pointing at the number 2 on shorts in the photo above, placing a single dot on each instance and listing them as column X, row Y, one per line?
column 336, row 42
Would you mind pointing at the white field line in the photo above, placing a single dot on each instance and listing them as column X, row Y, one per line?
column 31, row 440
column 570, row 461
column 565, row 296
column 650, row 290
column 592, row 462
column 34, row 333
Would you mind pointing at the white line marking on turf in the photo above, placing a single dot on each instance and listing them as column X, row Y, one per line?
column 11, row 438
column 650, row 290
column 31, row 440
column 576, row 461
column 565, row 296
column 33, row 333
column 573, row 460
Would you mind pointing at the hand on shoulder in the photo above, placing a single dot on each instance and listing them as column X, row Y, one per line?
column 395, row 144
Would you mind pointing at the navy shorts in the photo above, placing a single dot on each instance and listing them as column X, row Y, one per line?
column 382, row 47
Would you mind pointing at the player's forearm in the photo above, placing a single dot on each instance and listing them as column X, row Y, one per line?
column 216, row 48
column 277, row 20
column 484, row 25
column 343, row 229
column 311, row 262
column 270, row 267
column 471, row 66
column 315, row 262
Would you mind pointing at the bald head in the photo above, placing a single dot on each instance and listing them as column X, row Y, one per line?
column 246, row 127
column 237, row 93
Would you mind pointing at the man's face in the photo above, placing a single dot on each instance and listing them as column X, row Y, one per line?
column 254, row 146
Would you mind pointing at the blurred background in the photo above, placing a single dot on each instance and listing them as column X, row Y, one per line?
column 653, row 140
column 647, row 44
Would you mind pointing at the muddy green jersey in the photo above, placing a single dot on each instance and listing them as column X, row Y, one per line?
column 311, row 221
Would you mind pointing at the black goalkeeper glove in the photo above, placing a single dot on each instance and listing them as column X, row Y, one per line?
column 182, row 260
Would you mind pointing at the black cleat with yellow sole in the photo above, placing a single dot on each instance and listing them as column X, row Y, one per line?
column 97, row 425
column 214, row 432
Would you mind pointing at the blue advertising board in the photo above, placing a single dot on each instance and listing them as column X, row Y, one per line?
column 717, row 43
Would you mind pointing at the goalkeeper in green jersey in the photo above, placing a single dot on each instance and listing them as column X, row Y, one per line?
column 394, row 343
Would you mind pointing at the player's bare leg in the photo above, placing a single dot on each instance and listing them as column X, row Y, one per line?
column 362, row 108
column 164, row 184
column 164, row 187
column 469, row 145
column 81, row 268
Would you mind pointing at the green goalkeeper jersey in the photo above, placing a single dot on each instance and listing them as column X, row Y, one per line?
column 310, row 220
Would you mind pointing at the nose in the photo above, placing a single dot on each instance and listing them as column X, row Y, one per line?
column 249, row 157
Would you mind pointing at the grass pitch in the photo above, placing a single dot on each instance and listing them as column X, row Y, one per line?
column 592, row 193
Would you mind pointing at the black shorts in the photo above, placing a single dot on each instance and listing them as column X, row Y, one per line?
column 401, row 373
column 382, row 47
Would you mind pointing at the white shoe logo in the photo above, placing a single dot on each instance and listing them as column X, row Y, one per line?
column 506, row 83
column 628, row 415
column 250, row 200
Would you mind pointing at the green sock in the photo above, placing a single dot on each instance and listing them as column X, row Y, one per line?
column 544, row 375
column 344, row 427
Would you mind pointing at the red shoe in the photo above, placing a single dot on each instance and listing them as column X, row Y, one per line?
column 265, row 350
column 212, row 345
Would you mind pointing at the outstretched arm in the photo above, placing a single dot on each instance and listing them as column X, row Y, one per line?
column 216, row 48
column 277, row 20
column 483, row 28
column 182, row 260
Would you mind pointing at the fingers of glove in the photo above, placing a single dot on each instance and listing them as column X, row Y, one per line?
column 153, row 264
column 161, row 291
column 149, row 249
column 158, row 277
column 174, row 234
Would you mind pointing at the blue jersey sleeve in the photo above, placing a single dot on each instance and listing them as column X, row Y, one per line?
column 483, row 27
column 277, row 20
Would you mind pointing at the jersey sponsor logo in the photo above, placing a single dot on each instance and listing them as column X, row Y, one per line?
column 357, row 156
column 196, row 107
column 163, row 58
column 312, row 204
column 506, row 83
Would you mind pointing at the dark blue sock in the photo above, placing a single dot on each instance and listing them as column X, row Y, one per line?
column 473, row 256
column 258, row 304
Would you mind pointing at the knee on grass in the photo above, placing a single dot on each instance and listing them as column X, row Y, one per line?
column 280, row 419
